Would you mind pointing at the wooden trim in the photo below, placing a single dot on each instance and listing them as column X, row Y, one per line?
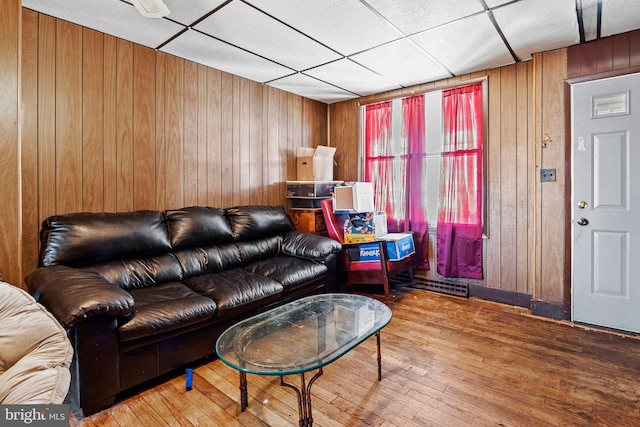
column 493, row 269
column 568, row 282
column 550, row 310
column 498, row 295
column 604, row 75
column 425, row 88
column 537, row 160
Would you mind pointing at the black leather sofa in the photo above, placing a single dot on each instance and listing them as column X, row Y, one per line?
column 144, row 293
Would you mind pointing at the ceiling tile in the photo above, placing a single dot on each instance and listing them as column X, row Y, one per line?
column 352, row 77
column 311, row 88
column 495, row 3
column 620, row 16
column 412, row 16
column 203, row 49
column 402, row 62
column 189, row 13
column 347, row 26
column 111, row 17
column 533, row 26
column 250, row 29
column 448, row 45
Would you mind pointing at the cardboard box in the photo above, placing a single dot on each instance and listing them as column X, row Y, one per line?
column 315, row 164
column 367, row 252
column 354, row 198
column 311, row 188
column 364, row 227
column 397, row 245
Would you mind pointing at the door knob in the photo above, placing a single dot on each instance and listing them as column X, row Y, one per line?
column 583, row 221
column 582, row 204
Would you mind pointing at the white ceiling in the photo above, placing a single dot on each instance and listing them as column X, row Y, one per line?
column 333, row 50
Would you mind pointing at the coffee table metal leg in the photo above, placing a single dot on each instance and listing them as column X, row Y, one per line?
column 304, row 398
column 379, row 356
column 244, row 399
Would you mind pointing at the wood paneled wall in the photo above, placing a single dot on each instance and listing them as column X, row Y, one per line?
column 613, row 55
column 525, row 248
column 10, row 30
column 114, row 126
column 552, row 199
column 108, row 125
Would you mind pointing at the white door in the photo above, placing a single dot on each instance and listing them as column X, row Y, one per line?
column 606, row 202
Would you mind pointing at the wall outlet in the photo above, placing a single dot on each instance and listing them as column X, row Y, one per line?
column 547, row 175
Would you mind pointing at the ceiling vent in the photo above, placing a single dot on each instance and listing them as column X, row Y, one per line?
column 151, row 8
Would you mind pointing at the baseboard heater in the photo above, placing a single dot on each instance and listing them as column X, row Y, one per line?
column 449, row 287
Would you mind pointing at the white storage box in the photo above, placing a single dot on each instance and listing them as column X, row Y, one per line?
column 354, row 198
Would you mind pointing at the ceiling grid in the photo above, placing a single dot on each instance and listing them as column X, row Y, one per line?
column 334, row 50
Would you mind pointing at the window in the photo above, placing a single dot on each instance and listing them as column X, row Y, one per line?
column 396, row 152
column 424, row 156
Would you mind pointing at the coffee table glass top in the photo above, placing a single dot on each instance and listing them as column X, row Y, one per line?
column 302, row 335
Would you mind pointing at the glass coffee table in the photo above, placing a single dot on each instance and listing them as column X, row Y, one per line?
column 299, row 337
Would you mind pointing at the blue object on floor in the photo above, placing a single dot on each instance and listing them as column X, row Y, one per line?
column 189, row 373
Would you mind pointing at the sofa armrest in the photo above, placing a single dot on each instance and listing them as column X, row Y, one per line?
column 72, row 294
column 310, row 246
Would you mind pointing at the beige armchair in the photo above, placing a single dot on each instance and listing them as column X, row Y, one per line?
column 35, row 352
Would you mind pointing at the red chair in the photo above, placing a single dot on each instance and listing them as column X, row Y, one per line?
column 363, row 272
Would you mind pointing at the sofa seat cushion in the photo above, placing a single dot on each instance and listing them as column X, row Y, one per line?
column 163, row 308
column 236, row 291
column 292, row 272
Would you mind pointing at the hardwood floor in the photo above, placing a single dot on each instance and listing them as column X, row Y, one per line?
column 446, row 361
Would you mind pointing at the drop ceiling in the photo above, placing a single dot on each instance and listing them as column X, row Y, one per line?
column 334, row 50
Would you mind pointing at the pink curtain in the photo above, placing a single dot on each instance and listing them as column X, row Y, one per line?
column 413, row 131
column 459, row 237
column 395, row 169
column 381, row 164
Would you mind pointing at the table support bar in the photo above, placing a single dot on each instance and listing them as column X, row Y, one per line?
column 244, row 397
column 304, row 398
column 304, row 391
column 379, row 356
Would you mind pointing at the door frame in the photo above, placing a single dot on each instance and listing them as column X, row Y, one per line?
column 568, row 277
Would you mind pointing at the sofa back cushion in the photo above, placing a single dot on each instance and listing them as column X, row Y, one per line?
column 80, row 239
column 198, row 226
column 212, row 259
column 256, row 222
column 260, row 249
column 136, row 273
